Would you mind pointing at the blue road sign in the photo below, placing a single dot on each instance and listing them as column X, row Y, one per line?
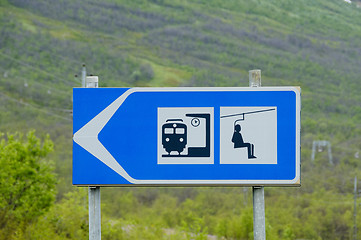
column 186, row 136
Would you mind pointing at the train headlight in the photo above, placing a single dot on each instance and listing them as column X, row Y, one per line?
column 181, row 139
column 167, row 139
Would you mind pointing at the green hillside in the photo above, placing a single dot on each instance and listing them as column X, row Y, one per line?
column 315, row 44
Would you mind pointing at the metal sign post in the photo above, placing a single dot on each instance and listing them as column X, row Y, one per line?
column 94, row 192
column 259, row 225
column 94, row 213
column 355, row 210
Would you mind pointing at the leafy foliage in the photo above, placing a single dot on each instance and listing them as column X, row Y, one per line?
column 27, row 184
column 68, row 219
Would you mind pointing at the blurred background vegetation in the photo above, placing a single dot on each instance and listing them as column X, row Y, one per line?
column 315, row 44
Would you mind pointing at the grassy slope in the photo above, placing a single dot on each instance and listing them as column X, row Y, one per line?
column 314, row 44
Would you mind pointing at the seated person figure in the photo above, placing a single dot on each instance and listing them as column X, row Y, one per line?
column 237, row 139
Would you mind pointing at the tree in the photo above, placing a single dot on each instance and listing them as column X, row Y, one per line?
column 67, row 219
column 27, row 182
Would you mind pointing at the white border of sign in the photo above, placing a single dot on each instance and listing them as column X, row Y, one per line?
column 87, row 138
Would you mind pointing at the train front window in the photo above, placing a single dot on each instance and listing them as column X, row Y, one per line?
column 168, row 130
column 179, row 130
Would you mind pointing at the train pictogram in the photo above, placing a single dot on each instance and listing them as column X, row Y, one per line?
column 175, row 134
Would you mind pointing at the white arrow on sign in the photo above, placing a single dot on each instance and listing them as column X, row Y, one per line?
column 87, row 137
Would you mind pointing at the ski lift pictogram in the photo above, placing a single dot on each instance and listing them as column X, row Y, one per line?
column 237, row 138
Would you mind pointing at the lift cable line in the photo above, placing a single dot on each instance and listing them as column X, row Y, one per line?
column 53, row 90
column 238, row 114
column 35, row 107
column 36, row 68
column 245, row 113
